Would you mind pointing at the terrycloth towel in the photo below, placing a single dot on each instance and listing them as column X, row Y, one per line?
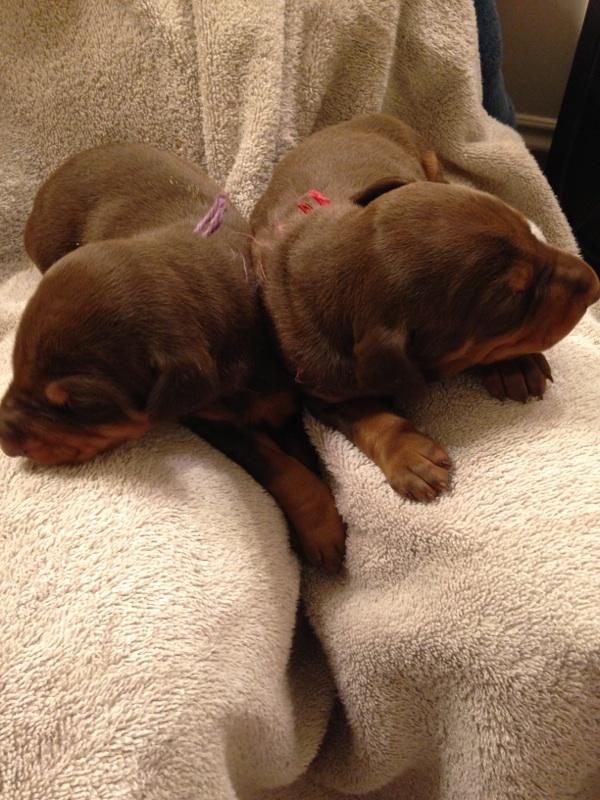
column 148, row 599
column 464, row 638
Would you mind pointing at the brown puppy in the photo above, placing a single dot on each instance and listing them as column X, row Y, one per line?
column 378, row 275
column 142, row 316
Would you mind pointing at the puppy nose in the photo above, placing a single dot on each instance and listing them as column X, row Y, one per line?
column 580, row 278
column 11, row 438
column 589, row 287
column 594, row 290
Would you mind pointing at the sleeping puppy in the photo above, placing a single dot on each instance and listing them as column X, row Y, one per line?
column 379, row 276
column 146, row 313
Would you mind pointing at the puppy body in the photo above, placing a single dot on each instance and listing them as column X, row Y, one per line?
column 378, row 276
column 134, row 298
column 139, row 320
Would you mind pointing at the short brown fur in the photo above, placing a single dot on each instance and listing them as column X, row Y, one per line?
column 137, row 320
column 403, row 278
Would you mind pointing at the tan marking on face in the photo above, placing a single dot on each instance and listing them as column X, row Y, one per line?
column 557, row 316
column 55, row 394
column 520, row 277
column 51, row 446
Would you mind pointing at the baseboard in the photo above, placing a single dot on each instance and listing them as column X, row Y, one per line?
column 537, row 132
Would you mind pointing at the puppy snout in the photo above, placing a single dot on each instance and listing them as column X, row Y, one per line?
column 593, row 291
column 580, row 279
column 12, row 438
column 587, row 286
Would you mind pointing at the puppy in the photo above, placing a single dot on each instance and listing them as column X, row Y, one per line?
column 378, row 276
column 146, row 313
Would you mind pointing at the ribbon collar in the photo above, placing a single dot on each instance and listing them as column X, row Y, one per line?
column 305, row 205
column 213, row 219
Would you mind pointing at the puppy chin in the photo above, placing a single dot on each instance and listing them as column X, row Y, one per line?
column 58, row 451
column 63, row 448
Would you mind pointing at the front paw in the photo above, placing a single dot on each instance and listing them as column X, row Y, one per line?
column 326, row 544
column 320, row 531
column 517, row 378
column 416, row 467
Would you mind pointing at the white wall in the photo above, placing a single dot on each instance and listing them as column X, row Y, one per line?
column 539, row 40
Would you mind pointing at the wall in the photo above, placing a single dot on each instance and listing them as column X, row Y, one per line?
column 539, row 40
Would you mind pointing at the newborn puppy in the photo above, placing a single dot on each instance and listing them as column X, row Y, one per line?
column 378, row 276
column 145, row 314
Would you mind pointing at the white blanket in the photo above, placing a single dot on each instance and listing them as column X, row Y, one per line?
column 148, row 599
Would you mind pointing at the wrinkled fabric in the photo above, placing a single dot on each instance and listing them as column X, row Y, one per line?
column 148, row 638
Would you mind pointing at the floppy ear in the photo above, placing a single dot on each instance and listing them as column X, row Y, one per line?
column 433, row 172
column 183, row 386
column 383, row 364
column 432, row 167
column 375, row 190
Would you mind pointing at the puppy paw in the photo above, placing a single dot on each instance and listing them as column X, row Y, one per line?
column 417, row 467
column 518, row 378
column 321, row 534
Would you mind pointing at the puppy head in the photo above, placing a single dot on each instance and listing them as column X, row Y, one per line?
column 69, row 420
column 88, row 371
column 467, row 282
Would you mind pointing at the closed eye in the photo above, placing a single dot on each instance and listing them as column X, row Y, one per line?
column 92, row 412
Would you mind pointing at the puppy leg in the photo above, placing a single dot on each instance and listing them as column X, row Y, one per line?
column 414, row 465
column 302, row 496
column 517, row 378
column 293, row 440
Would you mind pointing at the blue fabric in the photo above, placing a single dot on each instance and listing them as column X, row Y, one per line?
column 495, row 98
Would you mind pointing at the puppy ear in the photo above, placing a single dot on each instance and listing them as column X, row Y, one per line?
column 432, row 167
column 375, row 190
column 383, row 364
column 183, row 386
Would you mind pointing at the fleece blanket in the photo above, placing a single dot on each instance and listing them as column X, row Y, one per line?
column 149, row 644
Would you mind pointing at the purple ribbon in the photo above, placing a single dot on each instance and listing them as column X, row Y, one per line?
column 213, row 218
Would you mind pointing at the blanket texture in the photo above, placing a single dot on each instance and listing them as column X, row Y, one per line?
column 148, row 637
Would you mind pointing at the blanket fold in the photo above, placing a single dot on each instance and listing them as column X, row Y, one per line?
column 148, row 638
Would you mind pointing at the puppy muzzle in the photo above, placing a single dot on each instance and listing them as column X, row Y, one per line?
column 12, row 438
